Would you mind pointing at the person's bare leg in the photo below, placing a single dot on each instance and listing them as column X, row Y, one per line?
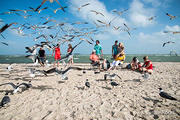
column 58, row 64
column 150, row 71
column 72, row 60
column 55, row 63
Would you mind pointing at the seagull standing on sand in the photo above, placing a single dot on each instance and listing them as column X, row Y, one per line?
column 114, row 83
column 9, row 68
column 5, row 100
column 165, row 95
column 87, row 84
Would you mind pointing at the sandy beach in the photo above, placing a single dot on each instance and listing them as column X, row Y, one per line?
column 52, row 98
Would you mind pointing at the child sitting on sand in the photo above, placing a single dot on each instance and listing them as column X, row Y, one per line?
column 134, row 63
column 147, row 66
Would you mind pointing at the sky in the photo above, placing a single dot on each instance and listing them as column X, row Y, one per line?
column 147, row 36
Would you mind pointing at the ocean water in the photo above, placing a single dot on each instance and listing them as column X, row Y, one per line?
column 7, row 59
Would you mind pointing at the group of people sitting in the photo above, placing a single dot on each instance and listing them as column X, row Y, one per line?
column 118, row 56
column 145, row 67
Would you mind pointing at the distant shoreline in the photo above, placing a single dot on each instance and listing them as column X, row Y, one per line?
column 7, row 59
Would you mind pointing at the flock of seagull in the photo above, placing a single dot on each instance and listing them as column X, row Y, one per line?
column 65, row 32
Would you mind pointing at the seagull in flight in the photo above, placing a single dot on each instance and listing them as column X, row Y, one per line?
column 167, row 43
column 15, row 87
column 165, row 95
column 151, row 18
column 119, row 12
column 112, row 76
column 6, row 26
column 128, row 29
column 83, row 6
column 52, row 70
column 171, row 16
column 173, row 32
column 5, row 43
column 61, row 8
column 97, row 12
column 51, row 1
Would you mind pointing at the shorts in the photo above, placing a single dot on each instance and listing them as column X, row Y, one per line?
column 115, row 63
column 70, row 57
column 42, row 59
column 95, row 64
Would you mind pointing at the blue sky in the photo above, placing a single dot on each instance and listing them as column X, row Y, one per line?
column 146, row 39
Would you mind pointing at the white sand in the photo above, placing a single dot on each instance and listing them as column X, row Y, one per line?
column 54, row 99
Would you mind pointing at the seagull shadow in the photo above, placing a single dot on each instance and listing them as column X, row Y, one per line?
column 42, row 87
column 29, row 79
column 154, row 115
column 133, row 80
column 6, row 91
column 5, row 75
column 102, row 80
column 153, row 100
column 107, row 88
column 59, row 82
column 79, row 75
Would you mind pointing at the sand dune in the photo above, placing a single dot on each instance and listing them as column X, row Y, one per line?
column 52, row 98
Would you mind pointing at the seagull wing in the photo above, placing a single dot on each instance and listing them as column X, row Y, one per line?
column 12, row 84
column 25, row 84
column 52, row 70
column 4, row 28
column 118, row 76
column 5, row 43
column 164, row 44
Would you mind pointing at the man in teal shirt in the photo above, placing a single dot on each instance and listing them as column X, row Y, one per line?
column 98, row 49
column 115, row 49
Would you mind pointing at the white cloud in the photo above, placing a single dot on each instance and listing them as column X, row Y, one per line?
column 173, row 28
column 154, row 3
column 139, row 14
column 152, row 43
